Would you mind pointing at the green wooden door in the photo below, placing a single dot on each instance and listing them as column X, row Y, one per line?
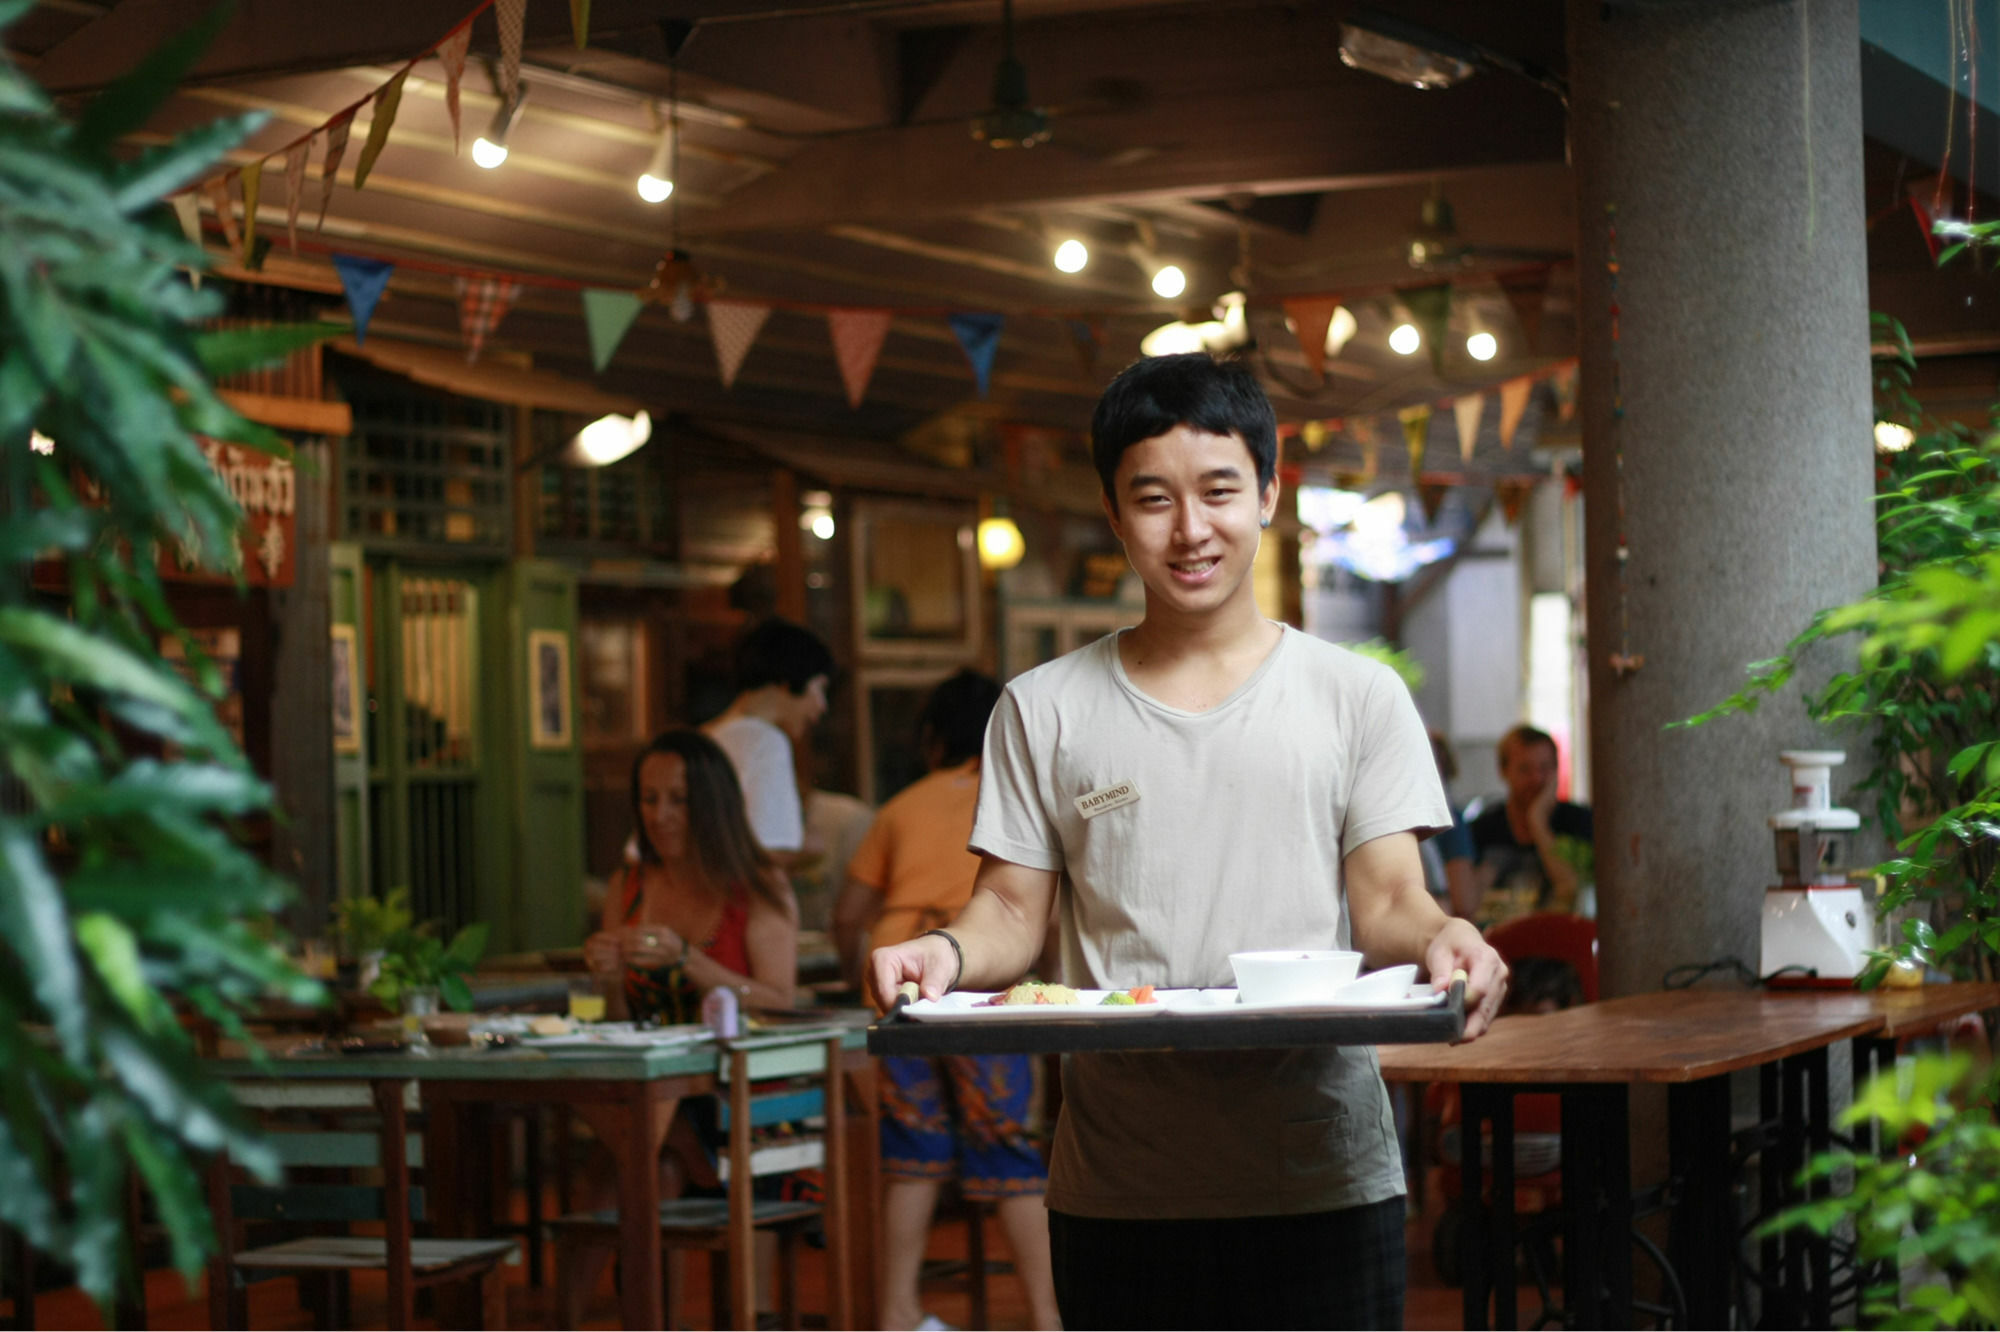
column 351, row 697
column 540, row 772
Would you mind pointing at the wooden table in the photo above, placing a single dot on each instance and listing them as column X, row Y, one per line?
column 1689, row 1040
column 628, row 1097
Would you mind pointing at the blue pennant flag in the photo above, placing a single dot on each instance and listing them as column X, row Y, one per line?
column 979, row 334
column 363, row 280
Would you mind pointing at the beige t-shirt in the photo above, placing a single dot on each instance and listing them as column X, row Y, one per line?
column 1209, row 833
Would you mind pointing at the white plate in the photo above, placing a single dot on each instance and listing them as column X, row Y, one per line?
column 1415, row 999
column 971, row 1006
column 618, row 1035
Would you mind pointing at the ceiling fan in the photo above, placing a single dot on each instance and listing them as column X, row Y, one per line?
column 1013, row 121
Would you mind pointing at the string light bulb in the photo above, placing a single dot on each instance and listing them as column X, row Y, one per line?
column 1404, row 340
column 489, row 150
column 1169, row 281
column 656, row 182
column 1893, row 438
column 1000, row 543
column 1482, row 346
column 1072, row 255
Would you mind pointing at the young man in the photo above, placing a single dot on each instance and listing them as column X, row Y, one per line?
column 782, row 673
column 1207, row 782
column 1519, row 865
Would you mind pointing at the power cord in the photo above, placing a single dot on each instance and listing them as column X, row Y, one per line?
column 1690, row 974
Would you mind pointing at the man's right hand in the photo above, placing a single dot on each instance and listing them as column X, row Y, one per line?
column 927, row 959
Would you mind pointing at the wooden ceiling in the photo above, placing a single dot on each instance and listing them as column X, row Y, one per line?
column 825, row 159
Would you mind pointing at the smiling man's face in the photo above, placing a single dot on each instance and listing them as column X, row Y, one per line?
column 1190, row 516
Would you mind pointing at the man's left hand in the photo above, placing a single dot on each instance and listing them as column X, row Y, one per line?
column 1460, row 947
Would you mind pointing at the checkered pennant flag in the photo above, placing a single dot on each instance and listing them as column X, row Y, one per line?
column 482, row 304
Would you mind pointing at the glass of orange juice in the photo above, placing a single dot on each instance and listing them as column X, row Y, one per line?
column 586, row 999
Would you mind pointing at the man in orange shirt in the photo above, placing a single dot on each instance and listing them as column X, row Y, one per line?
column 960, row 1114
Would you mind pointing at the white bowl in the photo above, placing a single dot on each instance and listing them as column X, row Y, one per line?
column 1382, row 986
column 1292, row 975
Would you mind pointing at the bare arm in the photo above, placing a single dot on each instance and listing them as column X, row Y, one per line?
column 1467, row 884
column 1562, row 875
column 771, row 937
column 604, row 953
column 1395, row 920
column 1000, row 932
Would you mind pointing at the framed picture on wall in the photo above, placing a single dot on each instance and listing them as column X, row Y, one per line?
column 346, row 675
column 550, row 725
column 915, row 580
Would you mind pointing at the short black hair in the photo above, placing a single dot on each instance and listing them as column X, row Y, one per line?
column 1524, row 736
column 956, row 713
column 1156, row 393
column 780, row 652
column 1537, row 980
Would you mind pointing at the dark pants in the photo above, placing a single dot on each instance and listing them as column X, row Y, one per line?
column 1322, row 1269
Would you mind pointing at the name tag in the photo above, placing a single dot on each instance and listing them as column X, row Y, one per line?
column 1107, row 799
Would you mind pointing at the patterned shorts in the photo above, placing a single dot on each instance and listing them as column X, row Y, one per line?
column 964, row 1115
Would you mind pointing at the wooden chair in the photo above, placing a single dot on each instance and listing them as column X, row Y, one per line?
column 768, row 1080
column 328, row 1141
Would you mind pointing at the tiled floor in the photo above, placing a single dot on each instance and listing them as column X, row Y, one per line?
column 1429, row 1303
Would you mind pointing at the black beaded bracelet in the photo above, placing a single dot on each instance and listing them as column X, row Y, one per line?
column 957, row 952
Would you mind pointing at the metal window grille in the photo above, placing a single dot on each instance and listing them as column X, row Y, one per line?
column 424, row 794
column 624, row 508
column 424, row 469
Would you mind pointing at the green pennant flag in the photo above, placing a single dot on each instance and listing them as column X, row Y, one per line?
column 1430, row 308
column 386, row 102
column 579, row 22
column 607, row 314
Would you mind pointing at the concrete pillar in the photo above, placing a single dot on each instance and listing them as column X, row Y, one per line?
column 1727, row 137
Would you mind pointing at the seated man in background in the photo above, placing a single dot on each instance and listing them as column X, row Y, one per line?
column 782, row 675
column 1520, row 862
column 964, row 1113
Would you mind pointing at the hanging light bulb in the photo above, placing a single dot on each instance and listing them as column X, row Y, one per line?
column 1072, row 255
column 1000, row 543
column 656, row 182
column 609, row 438
column 1404, row 339
column 490, row 149
column 1893, row 438
column 1169, row 281
column 1482, row 346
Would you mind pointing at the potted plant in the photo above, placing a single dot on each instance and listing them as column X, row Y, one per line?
column 418, row 968
column 366, row 925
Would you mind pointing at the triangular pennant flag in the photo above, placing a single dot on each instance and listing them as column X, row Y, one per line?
column 1312, row 434
column 1310, row 316
column 1527, row 292
column 187, row 207
column 386, row 103
column 734, row 325
column 1363, row 430
column 482, row 304
column 1430, row 307
column 253, row 185
column 295, row 187
column 1467, row 411
column 337, row 131
column 225, row 212
column 1512, row 492
column 579, row 22
column 607, row 315
column 1371, row 459
column 1086, row 336
column 857, row 341
column 512, row 16
column 451, row 54
column 1563, row 382
column 979, row 335
column 364, row 281
column 1431, row 495
column 1513, row 404
column 1416, row 433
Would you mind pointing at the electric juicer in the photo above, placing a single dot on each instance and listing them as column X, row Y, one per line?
column 1818, row 924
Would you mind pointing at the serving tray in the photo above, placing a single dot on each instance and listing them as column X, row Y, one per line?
column 1173, row 1026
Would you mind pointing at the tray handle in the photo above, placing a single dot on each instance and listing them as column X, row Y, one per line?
column 906, row 994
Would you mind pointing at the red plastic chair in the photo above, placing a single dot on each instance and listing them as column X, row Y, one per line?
column 1572, row 939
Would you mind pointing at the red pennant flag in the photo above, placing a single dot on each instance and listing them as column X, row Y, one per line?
column 512, row 16
column 451, row 54
column 337, row 130
column 482, row 304
column 734, row 325
column 1310, row 316
column 1527, row 293
column 1431, row 495
column 857, row 342
column 1513, row 403
column 1513, row 492
column 1563, row 381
